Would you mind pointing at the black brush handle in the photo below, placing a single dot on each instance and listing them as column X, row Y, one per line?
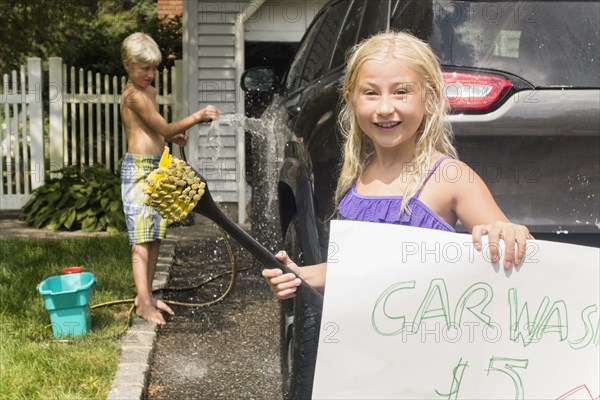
column 207, row 207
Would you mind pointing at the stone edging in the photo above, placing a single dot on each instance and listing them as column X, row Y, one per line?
column 132, row 375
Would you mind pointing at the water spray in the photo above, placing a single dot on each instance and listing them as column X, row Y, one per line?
column 164, row 192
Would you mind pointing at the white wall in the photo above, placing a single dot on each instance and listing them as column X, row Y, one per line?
column 281, row 21
column 209, row 54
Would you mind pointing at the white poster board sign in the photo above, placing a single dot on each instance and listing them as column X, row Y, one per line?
column 413, row 313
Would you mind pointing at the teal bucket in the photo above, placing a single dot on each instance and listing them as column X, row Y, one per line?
column 67, row 299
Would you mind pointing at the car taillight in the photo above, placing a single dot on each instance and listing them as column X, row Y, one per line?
column 474, row 92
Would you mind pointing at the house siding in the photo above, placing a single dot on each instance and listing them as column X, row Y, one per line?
column 209, row 53
column 211, row 49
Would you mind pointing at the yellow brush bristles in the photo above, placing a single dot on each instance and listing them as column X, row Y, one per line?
column 173, row 189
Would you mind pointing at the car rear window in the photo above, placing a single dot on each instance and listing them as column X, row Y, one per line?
column 549, row 44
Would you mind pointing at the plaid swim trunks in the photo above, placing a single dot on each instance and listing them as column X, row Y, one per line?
column 144, row 224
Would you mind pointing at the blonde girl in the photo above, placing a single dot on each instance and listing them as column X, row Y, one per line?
column 400, row 165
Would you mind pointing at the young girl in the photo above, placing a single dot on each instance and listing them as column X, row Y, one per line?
column 400, row 165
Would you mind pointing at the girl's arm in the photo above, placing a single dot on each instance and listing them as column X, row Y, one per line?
column 284, row 285
column 476, row 208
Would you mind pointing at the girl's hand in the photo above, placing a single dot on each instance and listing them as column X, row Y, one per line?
column 283, row 285
column 511, row 234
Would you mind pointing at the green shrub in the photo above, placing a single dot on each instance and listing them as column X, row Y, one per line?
column 86, row 198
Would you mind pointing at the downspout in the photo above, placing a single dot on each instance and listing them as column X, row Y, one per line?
column 240, row 20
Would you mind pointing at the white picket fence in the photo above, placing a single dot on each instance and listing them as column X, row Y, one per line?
column 21, row 134
column 84, row 122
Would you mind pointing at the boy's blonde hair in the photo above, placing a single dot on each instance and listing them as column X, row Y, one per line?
column 433, row 134
column 140, row 48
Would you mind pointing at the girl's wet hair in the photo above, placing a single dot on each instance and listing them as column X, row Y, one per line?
column 140, row 48
column 434, row 134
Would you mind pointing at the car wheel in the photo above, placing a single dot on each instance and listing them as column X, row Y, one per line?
column 291, row 244
column 299, row 333
column 303, row 351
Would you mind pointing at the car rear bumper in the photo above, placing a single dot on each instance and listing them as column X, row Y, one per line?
column 540, row 158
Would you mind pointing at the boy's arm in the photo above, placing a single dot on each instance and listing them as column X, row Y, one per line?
column 181, row 139
column 146, row 111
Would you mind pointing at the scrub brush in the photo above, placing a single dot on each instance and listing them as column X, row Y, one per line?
column 173, row 189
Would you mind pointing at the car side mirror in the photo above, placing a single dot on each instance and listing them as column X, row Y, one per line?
column 260, row 79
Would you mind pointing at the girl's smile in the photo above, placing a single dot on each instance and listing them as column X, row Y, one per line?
column 388, row 102
column 388, row 124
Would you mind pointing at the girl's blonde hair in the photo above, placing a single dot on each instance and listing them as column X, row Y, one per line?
column 434, row 134
column 140, row 48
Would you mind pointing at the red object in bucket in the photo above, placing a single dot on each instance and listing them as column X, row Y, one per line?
column 72, row 270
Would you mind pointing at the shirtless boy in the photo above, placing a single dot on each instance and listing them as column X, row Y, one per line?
column 146, row 132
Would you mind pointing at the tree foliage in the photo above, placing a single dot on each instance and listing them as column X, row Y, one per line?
column 85, row 33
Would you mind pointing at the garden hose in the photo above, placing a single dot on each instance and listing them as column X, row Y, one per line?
column 173, row 190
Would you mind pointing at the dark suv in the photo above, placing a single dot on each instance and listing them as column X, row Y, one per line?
column 523, row 82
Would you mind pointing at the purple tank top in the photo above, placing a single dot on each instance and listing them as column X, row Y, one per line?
column 358, row 207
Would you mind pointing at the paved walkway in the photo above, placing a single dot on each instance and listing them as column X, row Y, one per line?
column 228, row 350
column 13, row 227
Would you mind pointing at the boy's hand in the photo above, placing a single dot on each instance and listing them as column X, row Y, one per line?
column 209, row 113
column 181, row 139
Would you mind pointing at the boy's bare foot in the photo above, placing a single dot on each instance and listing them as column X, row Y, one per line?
column 162, row 306
column 147, row 311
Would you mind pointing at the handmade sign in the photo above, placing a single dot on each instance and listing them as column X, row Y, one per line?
column 413, row 313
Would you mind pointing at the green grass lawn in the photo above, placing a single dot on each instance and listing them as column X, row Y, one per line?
column 32, row 365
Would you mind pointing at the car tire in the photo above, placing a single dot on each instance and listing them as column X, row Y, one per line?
column 300, row 326
column 303, row 350
column 291, row 244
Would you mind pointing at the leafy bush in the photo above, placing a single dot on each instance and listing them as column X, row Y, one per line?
column 86, row 198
